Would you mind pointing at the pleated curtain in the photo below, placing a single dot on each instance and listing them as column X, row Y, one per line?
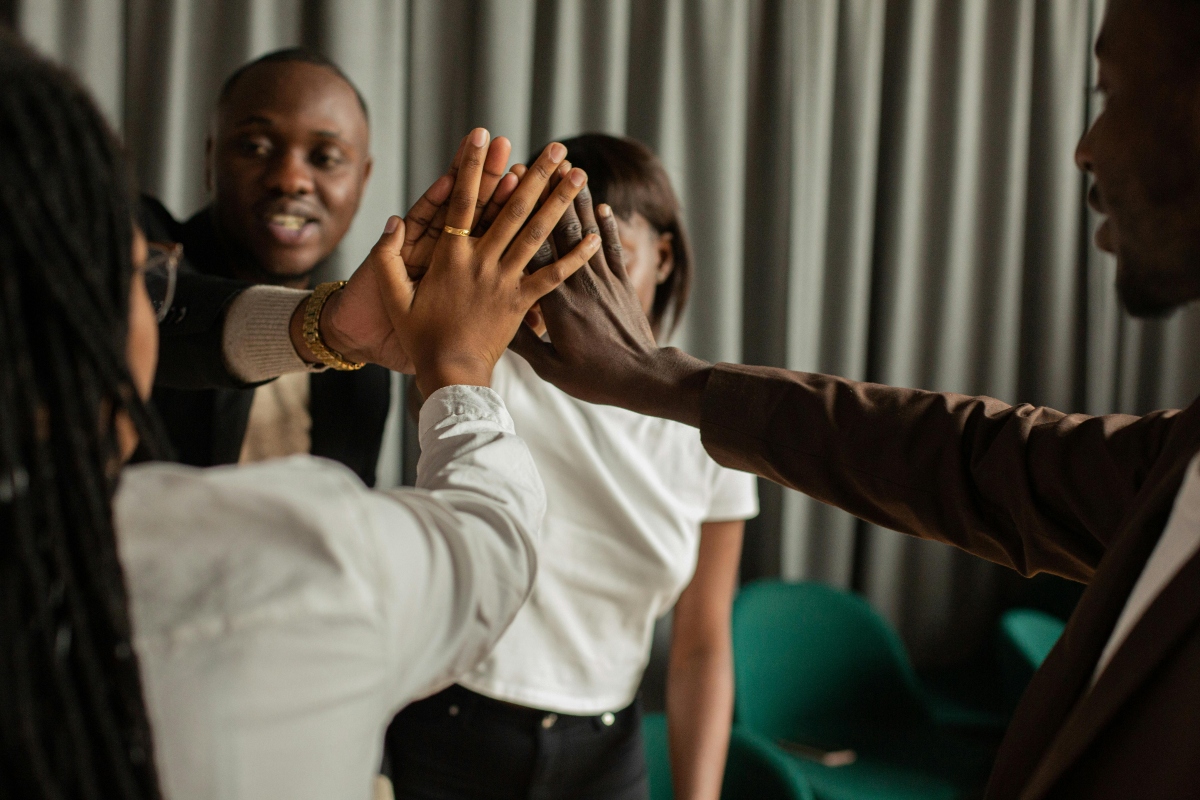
column 881, row 189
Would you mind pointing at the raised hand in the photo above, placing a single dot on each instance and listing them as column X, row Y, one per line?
column 455, row 322
column 425, row 221
column 601, row 347
column 354, row 322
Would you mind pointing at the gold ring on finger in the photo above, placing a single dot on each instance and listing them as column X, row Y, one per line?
column 450, row 229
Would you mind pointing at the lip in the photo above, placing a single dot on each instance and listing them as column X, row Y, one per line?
column 289, row 228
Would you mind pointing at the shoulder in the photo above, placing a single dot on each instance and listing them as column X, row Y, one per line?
column 235, row 543
column 156, row 221
column 734, row 495
column 160, row 496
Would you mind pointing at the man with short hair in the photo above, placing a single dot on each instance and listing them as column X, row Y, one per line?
column 1111, row 501
column 287, row 161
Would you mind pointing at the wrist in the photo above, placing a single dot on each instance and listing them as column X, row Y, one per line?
column 296, row 333
column 452, row 371
column 672, row 385
column 333, row 336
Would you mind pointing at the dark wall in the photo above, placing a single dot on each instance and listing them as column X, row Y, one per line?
column 8, row 12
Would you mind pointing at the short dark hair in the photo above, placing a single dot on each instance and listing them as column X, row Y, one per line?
column 625, row 174
column 301, row 55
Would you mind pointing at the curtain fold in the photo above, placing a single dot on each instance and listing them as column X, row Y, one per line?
column 881, row 189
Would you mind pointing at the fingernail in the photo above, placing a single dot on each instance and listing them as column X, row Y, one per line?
column 577, row 177
column 479, row 137
column 592, row 240
column 557, row 152
column 604, row 210
column 391, row 225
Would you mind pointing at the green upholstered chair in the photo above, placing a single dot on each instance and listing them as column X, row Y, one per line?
column 1026, row 638
column 754, row 769
column 757, row 770
column 817, row 667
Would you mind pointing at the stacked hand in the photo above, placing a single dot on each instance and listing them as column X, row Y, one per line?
column 601, row 346
column 449, row 314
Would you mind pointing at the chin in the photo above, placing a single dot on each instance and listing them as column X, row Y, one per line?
column 287, row 266
column 1144, row 294
column 1143, row 306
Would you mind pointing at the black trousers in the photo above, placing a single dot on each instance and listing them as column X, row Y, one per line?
column 459, row 744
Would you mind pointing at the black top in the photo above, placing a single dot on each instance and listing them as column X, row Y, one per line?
column 207, row 425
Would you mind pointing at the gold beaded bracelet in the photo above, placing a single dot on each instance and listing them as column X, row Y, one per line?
column 312, row 328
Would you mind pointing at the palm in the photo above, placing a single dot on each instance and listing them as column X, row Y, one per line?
column 362, row 323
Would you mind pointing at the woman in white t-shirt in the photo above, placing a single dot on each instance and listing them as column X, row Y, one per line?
column 639, row 519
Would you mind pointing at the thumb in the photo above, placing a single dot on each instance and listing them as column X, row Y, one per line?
column 395, row 287
column 392, row 239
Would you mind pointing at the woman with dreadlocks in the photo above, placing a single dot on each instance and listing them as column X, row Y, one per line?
column 232, row 632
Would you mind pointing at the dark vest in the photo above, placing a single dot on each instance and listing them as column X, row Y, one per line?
column 207, row 426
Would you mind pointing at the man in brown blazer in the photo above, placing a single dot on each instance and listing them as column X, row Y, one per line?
column 1115, row 710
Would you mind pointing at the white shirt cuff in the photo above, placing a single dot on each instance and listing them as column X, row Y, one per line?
column 257, row 339
column 461, row 406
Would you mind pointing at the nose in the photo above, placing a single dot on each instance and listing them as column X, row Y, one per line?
column 1083, row 151
column 290, row 174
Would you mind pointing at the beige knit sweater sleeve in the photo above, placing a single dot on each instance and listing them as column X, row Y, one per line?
column 256, row 340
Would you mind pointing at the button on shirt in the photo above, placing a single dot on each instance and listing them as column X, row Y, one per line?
column 1180, row 541
column 283, row 612
column 626, row 495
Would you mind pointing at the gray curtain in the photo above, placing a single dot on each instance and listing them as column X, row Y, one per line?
column 879, row 189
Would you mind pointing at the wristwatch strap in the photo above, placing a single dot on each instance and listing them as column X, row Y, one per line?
column 312, row 328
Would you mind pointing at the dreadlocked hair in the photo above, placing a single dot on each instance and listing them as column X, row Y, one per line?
column 72, row 720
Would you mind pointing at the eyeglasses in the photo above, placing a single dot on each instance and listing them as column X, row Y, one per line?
column 162, row 265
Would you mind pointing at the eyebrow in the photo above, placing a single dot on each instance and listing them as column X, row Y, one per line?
column 255, row 119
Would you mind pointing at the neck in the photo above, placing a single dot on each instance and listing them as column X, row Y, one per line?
column 256, row 274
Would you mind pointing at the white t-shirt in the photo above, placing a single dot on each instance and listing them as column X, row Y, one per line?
column 626, row 495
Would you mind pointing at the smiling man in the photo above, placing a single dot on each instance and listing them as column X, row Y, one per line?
column 288, row 159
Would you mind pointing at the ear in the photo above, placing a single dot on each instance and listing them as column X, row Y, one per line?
column 666, row 256
column 209, row 164
column 368, row 165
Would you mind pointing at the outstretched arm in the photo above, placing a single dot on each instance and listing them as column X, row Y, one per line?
column 1029, row 488
column 601, row 347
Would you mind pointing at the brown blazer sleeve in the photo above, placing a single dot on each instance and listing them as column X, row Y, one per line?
column 1029, row 488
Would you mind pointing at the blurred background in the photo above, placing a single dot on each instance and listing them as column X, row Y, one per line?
column 884, row 190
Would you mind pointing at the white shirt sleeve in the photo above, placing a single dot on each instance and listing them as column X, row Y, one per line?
column 283, row 611
column 470, row 566
column 734, row 496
